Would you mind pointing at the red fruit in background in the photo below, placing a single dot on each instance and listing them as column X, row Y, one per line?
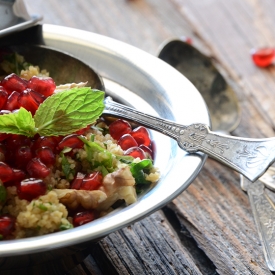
column 6, row 172
column 12, row 102
column 42, row 85
column 83, row 217
column 91, row 181
column 13, row 83
column 31, row 188
column 71, row 141
column 7, row 225
column 76, row 183
column 263, row 57
column 127, row 141
column 141, row 135
column 46, row 155
column 3, row 97
column 27, row 101
column 37, row 169
column 119, row 128
column 135, row 152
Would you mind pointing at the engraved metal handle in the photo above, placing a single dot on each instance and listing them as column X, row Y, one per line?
column 250, row 157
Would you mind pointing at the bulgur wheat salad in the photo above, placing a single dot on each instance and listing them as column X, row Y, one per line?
column 61, row 164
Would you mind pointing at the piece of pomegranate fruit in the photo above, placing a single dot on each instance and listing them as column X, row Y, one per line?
column 7, row 225
column 37, row 169
column 118, row 128
column 3, row 97
column 91, row 181
column 135, row 152
column 6, row 172
column 42, row 85
column 83, row 217
column 27, row 101
column 12, row 102
column 263, row 57
column 23, row 155
column 46, row 155
column 71, row 141
column 13, row 83
column 76, row 183
column 127, row 141
column 141, row 135
column 31, row 188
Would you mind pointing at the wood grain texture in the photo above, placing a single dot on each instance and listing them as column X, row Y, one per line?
column 209, row 228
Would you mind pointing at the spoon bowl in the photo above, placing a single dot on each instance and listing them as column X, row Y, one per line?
column 222, row 102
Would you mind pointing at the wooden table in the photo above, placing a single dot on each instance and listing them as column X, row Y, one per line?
column 209, row 228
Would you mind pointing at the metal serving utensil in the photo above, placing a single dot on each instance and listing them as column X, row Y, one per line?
column 224, row 111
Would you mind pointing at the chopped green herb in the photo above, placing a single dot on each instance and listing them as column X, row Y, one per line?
column 42, row 207
column 66, row 167
column 65, row 226
column 3, row 193
column 137, row 170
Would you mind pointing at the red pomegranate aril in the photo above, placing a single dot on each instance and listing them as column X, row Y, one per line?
column 31, row 188
column 50, row 142
column 91, row 181
column 4, row 112
column 18, row 176
column 15, row 141
column 118, row 128
column 148, row 152
column 13, row 83
column 38, row 97
column 71, row 141
column 263, row 57
column 23, row 155
column 37, row 169
column 76, row 183
column 6, row 172
column 44, row 86
column 4, row 136
column 12, row 102
column 141, row 135
column 7, row 225
column 83, row 217
column 135, row 152
column 3, row 97
column 27, row 101
column 127, row 141
column 46, row 155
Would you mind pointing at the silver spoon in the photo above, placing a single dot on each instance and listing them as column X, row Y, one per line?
column 225, row 113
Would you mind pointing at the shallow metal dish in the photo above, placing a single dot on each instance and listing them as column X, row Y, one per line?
column 145, row 82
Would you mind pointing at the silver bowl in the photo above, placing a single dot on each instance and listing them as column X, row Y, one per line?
column 144, row 82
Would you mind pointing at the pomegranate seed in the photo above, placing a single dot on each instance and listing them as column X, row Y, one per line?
column 7, row 225
column 4, row 112
column 15, row 141
column 44, row 86
column 50, row 142
column 83, row 131
column 81, row 218
column 76, row 183
column 6, row 173
column 37, row 169
column 141, row 136
column 46, row 155
column 18, row 176
column 27, row 101
column 127, row 141
column 91, row 181
column 22, row 156
column 12, row 102
column 13, row 83
column 148, row 152
column 119, row 128
column 263, row 57
column 3, row 97
column 31, row 188
column 38, row 97
column 71, row 141
column 135, row 152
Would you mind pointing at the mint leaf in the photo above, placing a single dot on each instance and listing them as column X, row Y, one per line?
column 21, row 123
column 68, row 111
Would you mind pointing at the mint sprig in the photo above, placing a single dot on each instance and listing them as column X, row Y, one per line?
column 60, row 114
